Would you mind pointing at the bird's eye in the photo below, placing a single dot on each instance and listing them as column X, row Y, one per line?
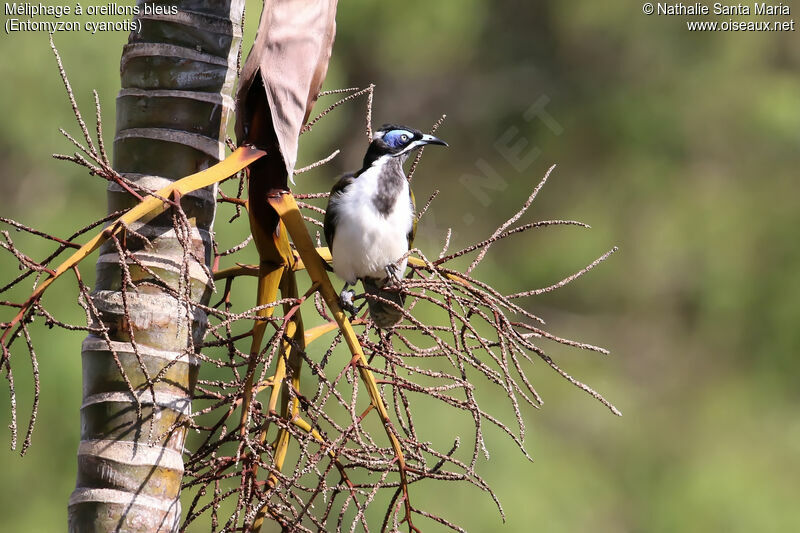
column 404, row 137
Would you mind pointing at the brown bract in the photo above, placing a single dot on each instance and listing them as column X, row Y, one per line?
column 283, row 74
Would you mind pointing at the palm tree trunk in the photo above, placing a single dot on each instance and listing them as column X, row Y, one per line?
column 177, row 75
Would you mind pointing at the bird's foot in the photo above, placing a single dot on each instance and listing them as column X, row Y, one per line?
column 346, row 298
column 393, row 272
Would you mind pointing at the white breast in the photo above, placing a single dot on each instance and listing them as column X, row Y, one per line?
column 366, row 241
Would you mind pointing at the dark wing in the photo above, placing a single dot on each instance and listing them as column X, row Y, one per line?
column 331, row 212
column 413, row 231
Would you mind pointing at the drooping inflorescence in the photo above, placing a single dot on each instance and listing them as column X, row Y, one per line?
column 326, row 465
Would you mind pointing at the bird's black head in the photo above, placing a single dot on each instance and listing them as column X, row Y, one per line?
column 397, row 141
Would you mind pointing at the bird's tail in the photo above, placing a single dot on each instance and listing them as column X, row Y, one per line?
column 383, row 314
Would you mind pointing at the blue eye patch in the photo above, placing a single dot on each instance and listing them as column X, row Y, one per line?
column 398, row 138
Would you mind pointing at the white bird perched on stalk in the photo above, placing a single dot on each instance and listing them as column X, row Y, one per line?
column 370, row 222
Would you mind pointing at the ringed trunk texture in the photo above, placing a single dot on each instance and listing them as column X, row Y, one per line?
column 177, row 76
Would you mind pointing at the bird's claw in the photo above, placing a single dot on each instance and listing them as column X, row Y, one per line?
column 393, row 273
column 346, row 301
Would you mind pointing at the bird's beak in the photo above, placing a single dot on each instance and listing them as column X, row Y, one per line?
column 430, row 139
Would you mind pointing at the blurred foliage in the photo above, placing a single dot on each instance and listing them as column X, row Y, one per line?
column 680, row 147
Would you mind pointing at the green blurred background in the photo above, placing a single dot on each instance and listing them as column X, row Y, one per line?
column 681, row 148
